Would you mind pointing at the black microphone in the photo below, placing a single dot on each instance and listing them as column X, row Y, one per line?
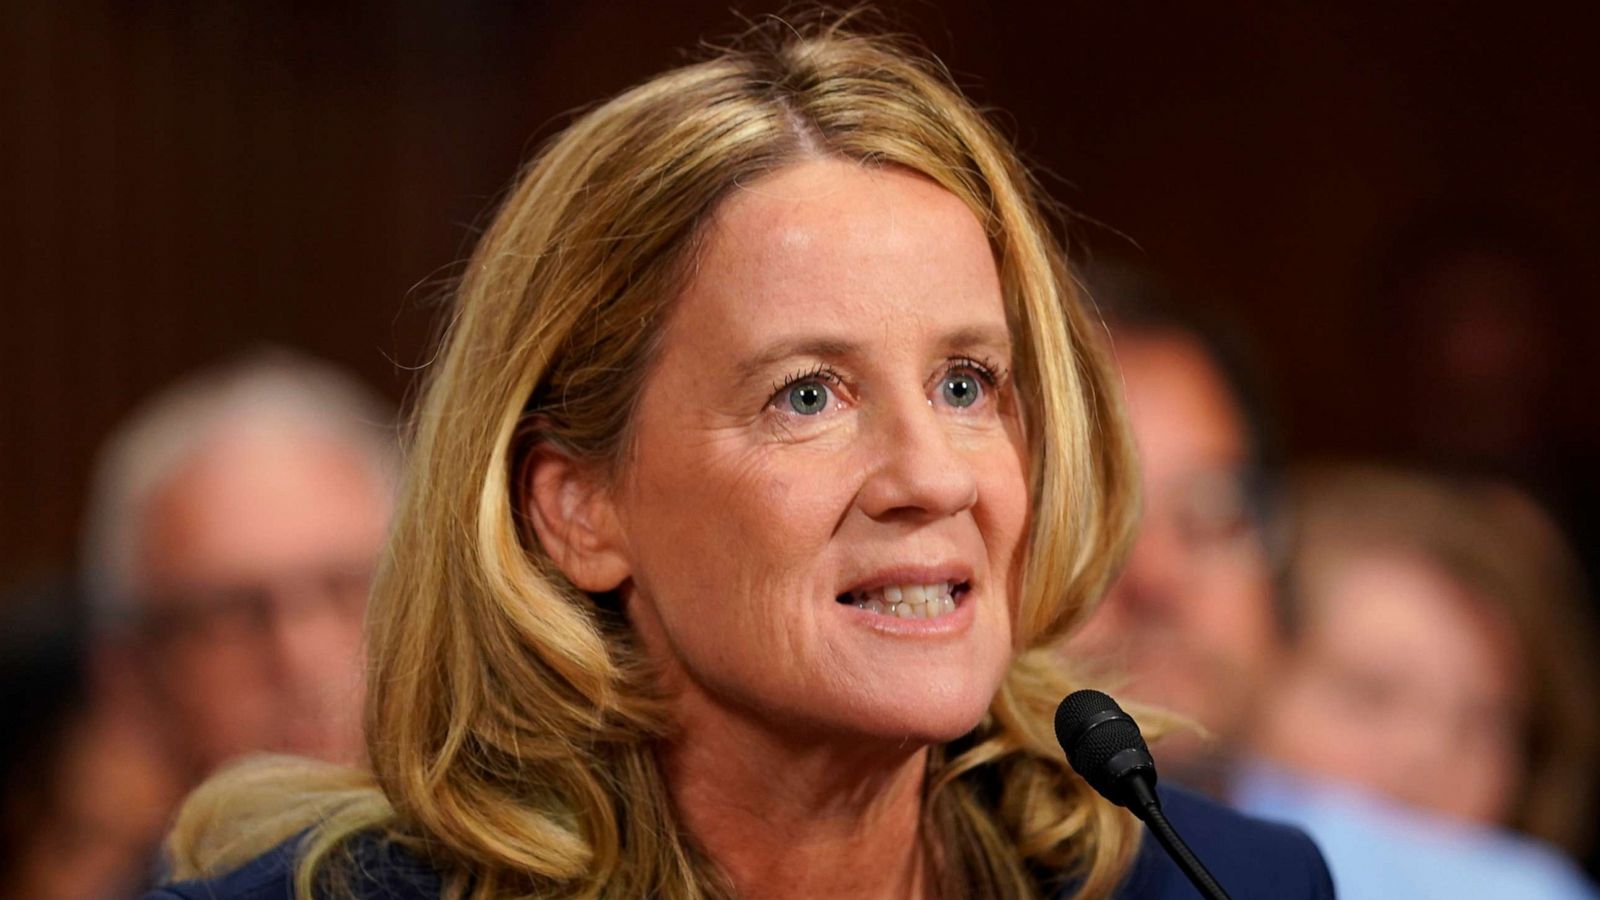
column 1104, row 745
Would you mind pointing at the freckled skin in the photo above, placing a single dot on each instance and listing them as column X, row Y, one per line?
column 745, row 519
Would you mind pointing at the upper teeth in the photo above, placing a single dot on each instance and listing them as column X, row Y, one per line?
column 908, row 601
column 907, row 593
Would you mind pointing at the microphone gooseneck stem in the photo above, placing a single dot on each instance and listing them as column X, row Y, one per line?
column 1148, row 808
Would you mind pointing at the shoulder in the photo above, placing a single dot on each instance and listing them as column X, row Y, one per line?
column 371, row 867
column 1250, row 857
column 1377, row 849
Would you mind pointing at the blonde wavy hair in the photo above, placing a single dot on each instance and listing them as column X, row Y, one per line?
column 512, row 723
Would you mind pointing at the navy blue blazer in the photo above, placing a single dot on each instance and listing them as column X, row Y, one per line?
column 1253, row 860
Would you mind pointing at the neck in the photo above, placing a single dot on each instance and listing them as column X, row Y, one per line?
column 785, row 818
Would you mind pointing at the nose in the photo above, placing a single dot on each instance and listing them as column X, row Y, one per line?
column 918, row 472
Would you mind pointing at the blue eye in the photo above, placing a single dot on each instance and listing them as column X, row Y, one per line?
column 807, row 393
column 960, row 389
column 808, row 398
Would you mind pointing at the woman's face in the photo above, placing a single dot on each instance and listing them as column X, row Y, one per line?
column 1404, row 683
column 829, row 429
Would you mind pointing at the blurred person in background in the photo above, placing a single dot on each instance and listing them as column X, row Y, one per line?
column 1194, row 624
column 84, row 792
column 1189, row 626
column 1440, row 652
column 1478, row 318
column 232, row 530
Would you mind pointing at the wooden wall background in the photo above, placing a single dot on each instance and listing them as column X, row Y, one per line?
column 183, row 180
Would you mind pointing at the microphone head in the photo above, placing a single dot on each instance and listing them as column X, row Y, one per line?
column 1103, row 744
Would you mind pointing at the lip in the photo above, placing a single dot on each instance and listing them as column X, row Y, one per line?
column 949, row 624
column 914, row 574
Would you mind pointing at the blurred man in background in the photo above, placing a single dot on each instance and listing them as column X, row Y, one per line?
column 1194, row 626
column 233, row 528
column 1189, row 627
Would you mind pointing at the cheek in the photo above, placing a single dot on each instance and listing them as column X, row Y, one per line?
column 709, row 544
column 1487, row 792
column 1004, row 517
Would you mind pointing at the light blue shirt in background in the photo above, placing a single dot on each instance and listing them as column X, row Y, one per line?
column 1377, row 849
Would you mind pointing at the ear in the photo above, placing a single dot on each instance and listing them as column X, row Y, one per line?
column 575, row 521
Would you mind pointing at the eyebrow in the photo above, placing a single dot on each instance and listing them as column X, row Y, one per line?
column 832, row 348
column 820, row 347
column 977, row 336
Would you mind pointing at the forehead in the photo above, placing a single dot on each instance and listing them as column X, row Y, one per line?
column 838, row 235
column 257, row 499
column 1385, row 604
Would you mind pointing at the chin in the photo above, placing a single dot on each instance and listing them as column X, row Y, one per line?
column 929, row 717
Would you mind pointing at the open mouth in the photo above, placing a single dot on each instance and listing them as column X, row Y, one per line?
column 909, row 601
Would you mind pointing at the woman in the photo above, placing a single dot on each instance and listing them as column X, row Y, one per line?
column 1442, row 655
column 769, row 452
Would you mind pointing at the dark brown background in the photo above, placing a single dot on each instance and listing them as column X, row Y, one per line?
column 185, row 180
